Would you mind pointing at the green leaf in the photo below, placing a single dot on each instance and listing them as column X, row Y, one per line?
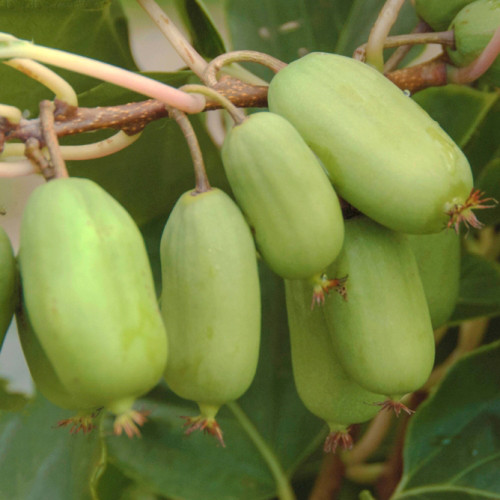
column 489, row 182
column 179, row 466
column 205, row 37
column 453, row 445
column 39, row 461
column 457, row 108
column 95, row 29
column 10, row 401
column 287, row 29
column 484, row 146
column 479, row 293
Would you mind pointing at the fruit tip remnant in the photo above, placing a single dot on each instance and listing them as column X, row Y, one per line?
column 323, row 286
column 336, row 439
column 463, row 213
column 396, row 406
column 207, row 425
column 129, row 422
column 80, row 422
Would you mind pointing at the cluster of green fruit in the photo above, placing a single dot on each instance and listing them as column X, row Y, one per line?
column 90, row 326
column 473, row 22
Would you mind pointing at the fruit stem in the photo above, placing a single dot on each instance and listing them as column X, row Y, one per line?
column 13, row 48
column 61, row 88
column 178, row 41
column 371, row 440
column 219, row 62
column 202, row 182
column 402, row 41
column 479, row 66
column 236, row 114
column 400, row 53
column 378, row 34
column 285, row 491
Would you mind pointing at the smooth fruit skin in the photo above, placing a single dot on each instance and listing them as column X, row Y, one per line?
column 45, row 378
column 438, row 260
column 285, row 195
column 474, row 27
column 323, row 386
column 384, row 154
column 89, row 294
column 8, row 284
column 382, row 334
column 210, row 299
column 438, row 14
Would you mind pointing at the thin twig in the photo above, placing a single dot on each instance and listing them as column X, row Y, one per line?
column 401, row 52
column 378, row 34
column 11, row 113
column 178, row 41
column 50, row 139
column 219, row 62
column 106, row 72
column 34, row 153
column 61, row 88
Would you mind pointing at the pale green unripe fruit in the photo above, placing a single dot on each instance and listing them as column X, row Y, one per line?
column 46, row 379
column 8, row 282
column 285, row 195
column 438, row 14
column 474, row 27
column 438, row 260
column 382, row 334
column 210, row 300
column 384, row 153
column 89, row 294
column 323, row 385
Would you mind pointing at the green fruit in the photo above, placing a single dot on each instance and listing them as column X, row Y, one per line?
column 285, row 194
column 44, row 376
column 384, row 154
column 438, row 260
column 323, row 385
column 382, row 334
column 210, row 302
column 46, row 379
column 89, row 295
column 474, row 27
column 438, row 14
column 8, row 281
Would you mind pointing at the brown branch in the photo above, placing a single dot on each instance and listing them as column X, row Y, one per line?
column 133, row 117
column 429, row 74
